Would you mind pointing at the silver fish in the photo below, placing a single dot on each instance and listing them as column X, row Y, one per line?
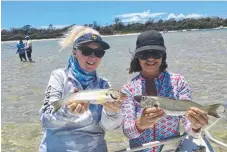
column 97, row 96
column 179, row 107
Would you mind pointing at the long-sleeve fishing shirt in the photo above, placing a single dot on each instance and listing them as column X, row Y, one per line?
column 167, row 84
column 65, row 131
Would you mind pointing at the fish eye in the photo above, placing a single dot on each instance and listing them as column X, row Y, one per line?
column 143, row 98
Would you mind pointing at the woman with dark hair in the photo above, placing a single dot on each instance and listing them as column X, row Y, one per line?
column 151, row 124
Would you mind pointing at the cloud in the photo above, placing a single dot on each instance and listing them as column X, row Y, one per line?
column 4, row 28
column 132, row 19
column 138, row 17
column 182, row 16
column 146, row 15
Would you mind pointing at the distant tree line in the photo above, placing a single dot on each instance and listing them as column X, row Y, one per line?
column 118, row 27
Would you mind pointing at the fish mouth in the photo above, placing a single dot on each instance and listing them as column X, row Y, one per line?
column 116, row 94
column 138, row 98
column 115, row 98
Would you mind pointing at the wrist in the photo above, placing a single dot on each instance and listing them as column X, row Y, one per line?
column 138, row 125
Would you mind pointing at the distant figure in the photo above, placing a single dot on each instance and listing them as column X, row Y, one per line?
column 20, row 50
column 28, row 48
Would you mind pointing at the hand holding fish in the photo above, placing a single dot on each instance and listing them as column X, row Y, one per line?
column 149, row 117
column 197, row 117
column 77, row 107
column 112, row 106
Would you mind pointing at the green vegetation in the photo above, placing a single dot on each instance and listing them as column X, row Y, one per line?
column 117, row 28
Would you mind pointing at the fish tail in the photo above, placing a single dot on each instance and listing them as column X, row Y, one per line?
column 212, row 110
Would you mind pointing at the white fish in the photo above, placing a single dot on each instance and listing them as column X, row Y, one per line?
column 97, row 96
column 179, row 107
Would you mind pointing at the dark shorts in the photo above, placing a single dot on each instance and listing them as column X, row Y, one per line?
column 29, row 53
column 22, row 56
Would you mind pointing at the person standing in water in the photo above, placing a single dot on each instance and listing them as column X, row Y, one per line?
column 78, row 126
column 28, row 48
column 20, row 50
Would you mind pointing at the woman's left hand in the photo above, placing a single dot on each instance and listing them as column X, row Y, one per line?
column 197, row 117
column 112, row 106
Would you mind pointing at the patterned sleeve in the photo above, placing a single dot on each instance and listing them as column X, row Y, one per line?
column 185, row 94
column 129, row 115
column 184, row 89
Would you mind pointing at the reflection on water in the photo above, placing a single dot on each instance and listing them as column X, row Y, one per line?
column 201, row 56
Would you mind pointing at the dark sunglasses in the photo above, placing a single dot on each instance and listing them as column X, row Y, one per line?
column 86, row 51
column 146, row 54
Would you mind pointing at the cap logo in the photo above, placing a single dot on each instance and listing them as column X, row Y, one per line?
column 94, row 37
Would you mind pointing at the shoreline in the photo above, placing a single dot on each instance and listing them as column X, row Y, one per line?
column 128, row 34
column 51, row 39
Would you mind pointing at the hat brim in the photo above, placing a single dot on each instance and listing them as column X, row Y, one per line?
column 103, row 44
column 151, row 47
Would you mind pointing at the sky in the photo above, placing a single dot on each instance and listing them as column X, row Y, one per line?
column 42, row 13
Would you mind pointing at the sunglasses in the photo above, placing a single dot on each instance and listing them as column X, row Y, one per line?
column 86, row 51
column 146, row 54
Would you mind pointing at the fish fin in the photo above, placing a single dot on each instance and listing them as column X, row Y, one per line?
column 56, row 106
column 212, row 110
column 99, row 102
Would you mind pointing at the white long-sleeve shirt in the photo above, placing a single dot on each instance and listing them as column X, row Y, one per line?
column 65, row 131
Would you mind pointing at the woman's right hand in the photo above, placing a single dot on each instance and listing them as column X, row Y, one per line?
column 148, row 118
column 77, row 107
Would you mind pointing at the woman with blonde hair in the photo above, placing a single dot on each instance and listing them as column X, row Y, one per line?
column 78, row 126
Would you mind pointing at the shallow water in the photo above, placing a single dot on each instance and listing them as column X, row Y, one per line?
column 201, row 56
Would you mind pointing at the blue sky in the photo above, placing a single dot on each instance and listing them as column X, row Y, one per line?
column 42, row 13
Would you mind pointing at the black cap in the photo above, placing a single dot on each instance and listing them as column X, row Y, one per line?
column 87, row 38
column 150, row 40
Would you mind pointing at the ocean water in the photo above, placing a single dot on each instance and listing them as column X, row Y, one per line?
column 200, row 56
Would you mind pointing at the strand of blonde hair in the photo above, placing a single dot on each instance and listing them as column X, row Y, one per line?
column 74, row 33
